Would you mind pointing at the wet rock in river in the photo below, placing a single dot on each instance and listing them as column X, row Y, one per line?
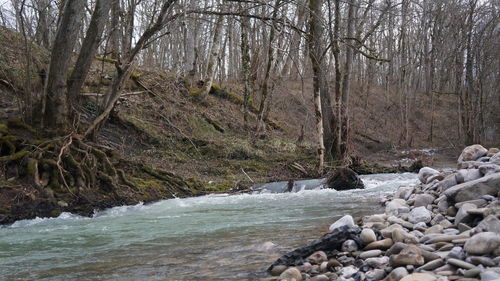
column 343, row 221
column 425, row 173
column 344, row 179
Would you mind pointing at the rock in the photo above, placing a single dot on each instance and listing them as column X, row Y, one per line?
column 490, row 275
column 344, row 179
column 396, row 220
column 456, row 253
column 397, row 274
column 404, row 192
column 492, row 151
column 425, row 173
column 410, row 255
column 348, row 271
column 399, row 235
column 290, row 274
column 431, row 265
column 333, row 263
column 437, row 177
column 423, row 200
column 381, row 244
column 367, row 236
column 472, row 153
column 465, row 175
column 452, row 211
column 420, row 214
column 419, row 277
column 320, row 277
column 277, row 270
column 396, row 206
column 370, row 254
column 482, row 244
column 489, row 224
column 375, row 218
column 495, row 158
column 305, row 267
column 462, row 215
column 375, row 274
column 443, row 207
column 477, row 260
column 346, row 220
column 387, row 232
column 462, row 227
column 377, row 262
column 447, row 182
column 477, row 202
column 420, row 225
column 459, row 263
column 349, row 246
column 474, row 189
column 489, row 168
column 434, row 229
column 472, row 272
column 318, row 257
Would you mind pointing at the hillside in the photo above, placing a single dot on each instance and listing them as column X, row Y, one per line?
column 172, row 144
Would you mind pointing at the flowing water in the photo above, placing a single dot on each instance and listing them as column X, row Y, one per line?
column 215, row 237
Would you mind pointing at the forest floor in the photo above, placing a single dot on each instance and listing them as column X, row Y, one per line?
column 160, row 123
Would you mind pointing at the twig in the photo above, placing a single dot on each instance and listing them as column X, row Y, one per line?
column 58, row 163
column 247, row 175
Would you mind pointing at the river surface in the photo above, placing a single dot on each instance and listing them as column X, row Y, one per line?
column 215, row 237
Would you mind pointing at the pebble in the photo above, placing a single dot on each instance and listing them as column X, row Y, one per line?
column 419, row 277
column 278, row 269
column 431, row 265
column 318, row 257
column 370, row 254
column 396, row 274
column 382, row 244
column 482, row 244
column 320, row 277
column 349, row 246
column 420, row 214
column 461, row 263
column 290, row 274
column 367, row 236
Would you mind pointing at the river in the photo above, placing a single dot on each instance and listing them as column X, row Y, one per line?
column 214, row 237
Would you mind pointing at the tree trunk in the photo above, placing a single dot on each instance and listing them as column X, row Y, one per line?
column 212, row 57
column 245, row 65
column 56, row 111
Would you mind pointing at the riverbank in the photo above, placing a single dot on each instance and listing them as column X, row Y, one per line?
column 445, row 228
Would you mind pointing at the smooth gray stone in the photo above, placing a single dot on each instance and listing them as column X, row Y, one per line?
column 461, row 263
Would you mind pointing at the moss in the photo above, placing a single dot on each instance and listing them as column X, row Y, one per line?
column 3, row 128
column 31, row 167
column 55, row 213
column 16, row 156
column 19, row 124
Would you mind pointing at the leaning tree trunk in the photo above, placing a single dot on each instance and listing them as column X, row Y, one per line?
column 212, row 57
column 56, row 112
column 245, row 66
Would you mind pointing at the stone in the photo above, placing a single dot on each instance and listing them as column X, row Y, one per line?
column 472, row 153
column 419, row 277
column 477, row 260
column 346, row 220
column 348, row 271
column 404, row 192
column 472, row 272
column 490, row 275
column 456, row 253
column 420, row 214
column 489, row 168
column 463, row 227
column 495, row 158
column 443, row 207
column 434, row 229
column 460, row 263
column 482, row 243
column 489, row 224
column 399, row 235
column 462, row 216
column 420, row 225
column 396, row 220
column 477, row 202
column 344, row 179
column 445, row 223
column 492, row 150
column 423, row 200
column 387, row 232
column 381, row 244
column 318, row 257
column 425, row 173
column 375, row 274
column 410, row 255
column 320, row 277
column 437, row 177
column 431, row 265
column 465, row 175
column 349, row 246
column 397, row 274
column 447, row 182
column 474, row 189
column 377, row 262
column 333, row 263
column 370, row 254
column 367, row 236
column 375, row 218
column 290, row 274
column 396, row 206
column 452, row 211
column 305, row 267
column 277, row 270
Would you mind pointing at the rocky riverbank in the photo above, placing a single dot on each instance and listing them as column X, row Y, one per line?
column 446, row 228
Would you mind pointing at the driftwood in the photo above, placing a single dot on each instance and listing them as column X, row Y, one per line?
column 327, row 243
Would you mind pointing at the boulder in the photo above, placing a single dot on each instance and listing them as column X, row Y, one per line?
column 425, row 173
column 397, row 274
column 410, row 255
column 472, row 153
column 420, row 214
column 344, row 179
column 495, row 159
column 474, row 189
column 489, row 168
column 346, row 220
column 482, row 244
column 489, row 224
column 447, row 182
column 396, row 206
column 404, row 192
